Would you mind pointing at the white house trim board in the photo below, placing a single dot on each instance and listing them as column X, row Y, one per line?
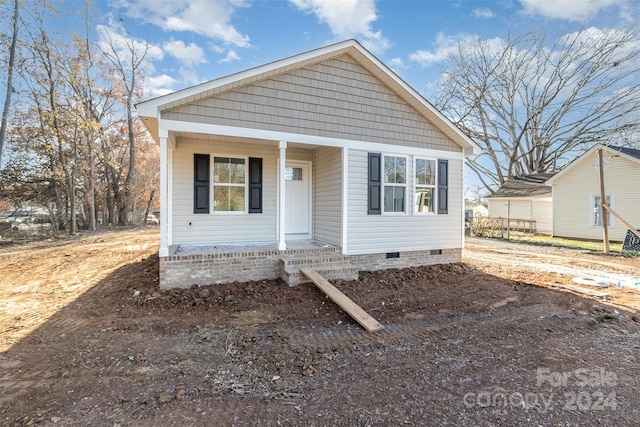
column 553, row 216
column 170, row 196
column 212, row 210
column 345, row 199
column 282, row 162
column 405, row 185
column 416, row 186
column 208, row 129
column 164, row 200
column 309, row 234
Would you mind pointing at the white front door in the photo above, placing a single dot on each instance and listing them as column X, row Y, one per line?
column 297, row 200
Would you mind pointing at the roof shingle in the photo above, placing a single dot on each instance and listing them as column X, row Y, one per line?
column 525, row 186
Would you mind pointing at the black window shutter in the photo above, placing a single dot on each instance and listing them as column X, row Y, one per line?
column 443, row 186
column 375, row 188
column 255, row 185
column 201, row 165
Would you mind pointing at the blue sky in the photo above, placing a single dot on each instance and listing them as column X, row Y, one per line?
column 192, row 41
column 198, row 40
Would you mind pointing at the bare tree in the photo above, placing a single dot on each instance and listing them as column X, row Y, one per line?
column 128, row 59
column 10, row 66
column 84, row 74
column 532, row 104
column 75, row 146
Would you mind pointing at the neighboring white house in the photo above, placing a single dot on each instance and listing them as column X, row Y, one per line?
column 475, row 210
column 528, row 198
column 328, row 150
column 577, row 211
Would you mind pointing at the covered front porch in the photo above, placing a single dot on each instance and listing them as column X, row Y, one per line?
column 300, row 193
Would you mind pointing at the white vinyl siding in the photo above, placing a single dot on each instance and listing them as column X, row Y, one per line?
column 327, row 177
column 573, row 209
column 542, row 212
column 216, row 228
column 538, row 209
column 392, row 233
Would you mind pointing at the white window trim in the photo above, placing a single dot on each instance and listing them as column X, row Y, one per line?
column 610, row 218
column 416, row 186
column 405, row 185
column 245, row 185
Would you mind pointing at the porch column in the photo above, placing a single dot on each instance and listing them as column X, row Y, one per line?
column 282, row 163
column 164, row 201
column 345, row 199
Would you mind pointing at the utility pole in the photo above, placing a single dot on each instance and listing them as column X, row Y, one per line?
column 603, row 201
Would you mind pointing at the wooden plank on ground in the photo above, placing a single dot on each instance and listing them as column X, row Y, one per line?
column 346, row 303
column 580, row 290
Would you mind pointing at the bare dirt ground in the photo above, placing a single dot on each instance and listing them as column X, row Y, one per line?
column 87, row 338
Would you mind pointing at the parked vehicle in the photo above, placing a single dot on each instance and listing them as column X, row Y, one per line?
column 152, row 219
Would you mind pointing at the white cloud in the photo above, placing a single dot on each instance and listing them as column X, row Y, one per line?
column 586, row 40
column 483, row 13
column 159, row 85
column 189, row 76
column 189, row 55
column 115, row 37
column 209, row 18
column 216, row 48
column 443, row 47
column 348, row 19
column 397, row 63
column 572, row 10
column 446, row 45
column 231, row 56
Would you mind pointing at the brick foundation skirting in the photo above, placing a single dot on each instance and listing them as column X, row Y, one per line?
column 184, row 271
column 374, row 262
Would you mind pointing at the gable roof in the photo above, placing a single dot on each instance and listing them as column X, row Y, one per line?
column 628, row 153
column 149, row 111
column 525, row 186
column 631, row 152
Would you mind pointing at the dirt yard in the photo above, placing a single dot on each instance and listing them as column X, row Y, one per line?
column 87, row 338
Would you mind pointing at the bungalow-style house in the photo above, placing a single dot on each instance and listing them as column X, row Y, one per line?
column 577, row 209
column 325, row 159
column 526, row 198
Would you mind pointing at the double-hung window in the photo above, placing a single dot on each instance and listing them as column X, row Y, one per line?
column 597, row 210
column 387, row 184
column 425, row 186
column 229, row 184
column 394, row 174
column 237, row 184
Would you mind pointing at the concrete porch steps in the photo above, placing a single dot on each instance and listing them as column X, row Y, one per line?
column 331, row 265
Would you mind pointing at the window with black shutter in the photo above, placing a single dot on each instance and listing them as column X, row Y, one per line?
column 443, row 186
column 255, row 185
column 201, row 165
column 375, row 188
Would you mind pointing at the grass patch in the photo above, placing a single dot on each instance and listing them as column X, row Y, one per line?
column 585, row 245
